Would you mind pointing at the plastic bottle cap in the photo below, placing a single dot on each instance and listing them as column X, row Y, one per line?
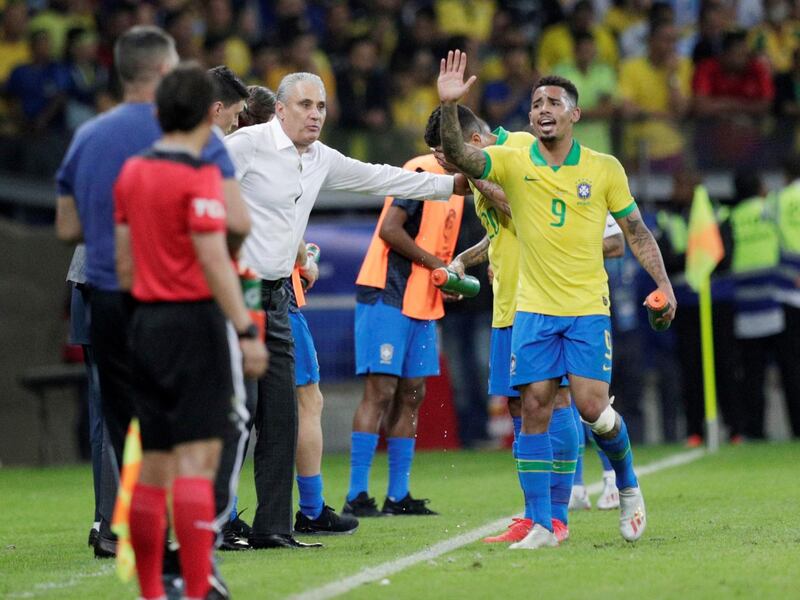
column 656, row 300
column 439, row 276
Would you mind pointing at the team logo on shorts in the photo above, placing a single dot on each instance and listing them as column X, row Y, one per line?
column 513, row 364
column 387, row 353
column 584, row 189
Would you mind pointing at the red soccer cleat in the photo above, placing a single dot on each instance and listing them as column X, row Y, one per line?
column 560, row 530
column 517, row 531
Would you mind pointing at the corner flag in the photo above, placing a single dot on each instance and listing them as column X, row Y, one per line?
column 705, row 249
column 703, row 254
column 132, row 462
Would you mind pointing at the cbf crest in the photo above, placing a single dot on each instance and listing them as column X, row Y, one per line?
column 584, row 191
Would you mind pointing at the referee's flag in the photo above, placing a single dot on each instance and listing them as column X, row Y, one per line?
column 120, row 523
column 705, row 249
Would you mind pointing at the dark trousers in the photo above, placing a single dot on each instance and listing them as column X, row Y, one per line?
column 110, row 316
column 111, row 313
column 275, row 421
column 726, row 363
column 756, row 354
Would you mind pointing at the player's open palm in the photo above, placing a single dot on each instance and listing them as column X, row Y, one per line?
column 451, row 84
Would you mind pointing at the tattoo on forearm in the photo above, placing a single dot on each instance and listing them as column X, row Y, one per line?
column 476, row 255
column 470, row 160
column 645, row 249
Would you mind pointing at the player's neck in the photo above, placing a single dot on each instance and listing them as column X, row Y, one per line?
column 555, row 151
column 191, row 142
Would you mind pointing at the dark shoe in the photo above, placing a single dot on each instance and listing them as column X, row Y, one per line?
column 407, row 506
column 105, row 547
column 173, row 586
column 361, row 506
column 279, row 540
column 231, row 541
column 218, row 590
column 240, row 528
column 93, row 533
column 327, row 523
column 171, row 564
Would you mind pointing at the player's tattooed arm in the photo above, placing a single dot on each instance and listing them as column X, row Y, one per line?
column 470, row 160
column 452, row 88
column 475, row 255
column 494, row 193
column 645, row 249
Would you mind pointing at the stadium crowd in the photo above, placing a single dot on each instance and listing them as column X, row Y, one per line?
column 648, row 68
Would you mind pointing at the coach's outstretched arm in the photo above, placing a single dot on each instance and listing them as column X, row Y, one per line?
column 645, row 249
column 470, row 160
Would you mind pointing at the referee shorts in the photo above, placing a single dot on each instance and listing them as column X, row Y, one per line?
column 183, row 384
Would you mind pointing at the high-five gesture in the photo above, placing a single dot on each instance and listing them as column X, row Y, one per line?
column 451, row 77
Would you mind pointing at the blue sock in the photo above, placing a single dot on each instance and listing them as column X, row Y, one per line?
column 607, row 466
column 362, row 449
column 581, row 445
column 534, row 464
column 564, row 440
column 234, row 508
column 401, row 455
column 311, row 502
column 514, row 450
column 620, row 456
column 600, row 454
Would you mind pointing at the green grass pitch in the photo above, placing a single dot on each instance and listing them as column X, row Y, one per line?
column 724, row 526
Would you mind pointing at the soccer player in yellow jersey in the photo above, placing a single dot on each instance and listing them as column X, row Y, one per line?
column 559, row 193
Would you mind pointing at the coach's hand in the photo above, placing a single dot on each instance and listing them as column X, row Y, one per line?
column 450, row 297
column 254, row 357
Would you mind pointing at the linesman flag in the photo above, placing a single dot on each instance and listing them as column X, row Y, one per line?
column 120, row 523
column 705, row 250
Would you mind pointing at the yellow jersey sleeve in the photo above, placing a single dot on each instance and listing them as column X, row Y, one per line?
column 497, row 159
column 618, row 195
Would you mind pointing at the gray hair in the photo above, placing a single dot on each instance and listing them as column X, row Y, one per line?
column 292, row 79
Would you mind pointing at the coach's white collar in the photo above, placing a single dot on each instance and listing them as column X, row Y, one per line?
column 282, row 140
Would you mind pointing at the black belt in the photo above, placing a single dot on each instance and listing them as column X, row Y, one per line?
column 274, row 284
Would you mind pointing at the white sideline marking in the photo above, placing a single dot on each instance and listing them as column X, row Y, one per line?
column 370, row 574
column 71, row 581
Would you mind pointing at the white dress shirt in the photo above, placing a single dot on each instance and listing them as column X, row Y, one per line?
column 280, row 187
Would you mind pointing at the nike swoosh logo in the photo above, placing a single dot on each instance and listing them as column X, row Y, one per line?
column 528, row 178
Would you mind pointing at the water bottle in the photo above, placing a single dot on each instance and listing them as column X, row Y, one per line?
column 313, row 252
column 251, row 290
column 656, row 304
column 447, row 281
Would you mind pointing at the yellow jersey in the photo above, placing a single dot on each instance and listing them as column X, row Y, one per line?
column 560, row 215
column 503, row 245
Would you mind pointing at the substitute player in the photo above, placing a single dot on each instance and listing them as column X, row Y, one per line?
column 559, row 193
column 171, row 253
column 501, row 248
column 397, row 307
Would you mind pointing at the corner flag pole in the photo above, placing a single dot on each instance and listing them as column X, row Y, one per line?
column 709, row 375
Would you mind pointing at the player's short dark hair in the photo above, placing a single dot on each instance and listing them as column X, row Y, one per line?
column 183, row 98
column 260, row 106
column 733, row 38
column 583, row 36
column 140, row 52
column 469, row 121
column 228, row 88
column 558, row 81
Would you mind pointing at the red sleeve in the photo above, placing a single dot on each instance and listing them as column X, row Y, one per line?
column 120, row 207
column 765, row 83
column 206, row 204
column 702, row 83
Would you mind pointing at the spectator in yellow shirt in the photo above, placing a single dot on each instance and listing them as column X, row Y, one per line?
column 656, row 92
column 220, row 26
column 777, row 36
column 14, row 49
column 558, row 41
column 415, row 96
column 470, row 18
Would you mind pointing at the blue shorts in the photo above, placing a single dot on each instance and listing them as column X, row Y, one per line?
column 500, row 364
column 306, row 364
column 390, row 343
column 546, row 347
